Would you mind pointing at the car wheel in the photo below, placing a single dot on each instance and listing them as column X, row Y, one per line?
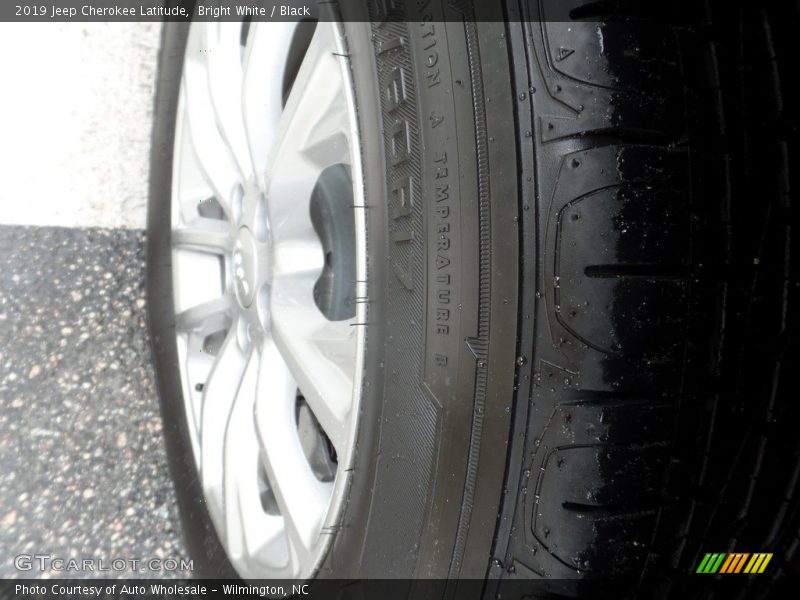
column 309, row 334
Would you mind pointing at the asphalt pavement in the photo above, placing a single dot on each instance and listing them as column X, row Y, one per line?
column 83, row 472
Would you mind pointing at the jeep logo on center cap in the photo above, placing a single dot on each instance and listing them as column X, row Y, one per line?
column 244, row 267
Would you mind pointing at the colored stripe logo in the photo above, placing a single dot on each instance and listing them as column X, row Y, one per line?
column 734, row 562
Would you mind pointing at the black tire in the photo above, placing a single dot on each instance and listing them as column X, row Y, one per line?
column 655, row 295
column 438, row 326
column 558, row 267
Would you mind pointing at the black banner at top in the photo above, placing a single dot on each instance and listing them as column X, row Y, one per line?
column 42, row 11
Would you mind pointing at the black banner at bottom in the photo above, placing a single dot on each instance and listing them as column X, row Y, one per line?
column 690, row 586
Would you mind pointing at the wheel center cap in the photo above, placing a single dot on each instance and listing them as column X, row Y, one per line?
column 244, row 266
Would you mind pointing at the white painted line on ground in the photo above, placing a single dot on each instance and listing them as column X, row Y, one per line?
column 75, row 119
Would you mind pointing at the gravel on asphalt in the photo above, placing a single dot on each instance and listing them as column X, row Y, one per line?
column 83, row 471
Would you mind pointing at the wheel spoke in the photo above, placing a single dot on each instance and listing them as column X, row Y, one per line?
column 298, row 256
column 312, row 135
column 220, row 390
column 203, row 235
column 301, row 497
column 250, row 531
column 207, row 316
column 214, row 157
column 225, row 86
column 193, row 187
column 254, row 213
column 265, row 59
column 319, row 353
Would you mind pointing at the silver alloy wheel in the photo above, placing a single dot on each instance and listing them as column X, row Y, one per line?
column 251, row 338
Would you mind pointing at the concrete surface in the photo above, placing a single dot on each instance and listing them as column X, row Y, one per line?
column 83, row 471
column 75, row 118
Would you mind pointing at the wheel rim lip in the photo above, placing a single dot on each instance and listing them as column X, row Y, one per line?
column 345, row 461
